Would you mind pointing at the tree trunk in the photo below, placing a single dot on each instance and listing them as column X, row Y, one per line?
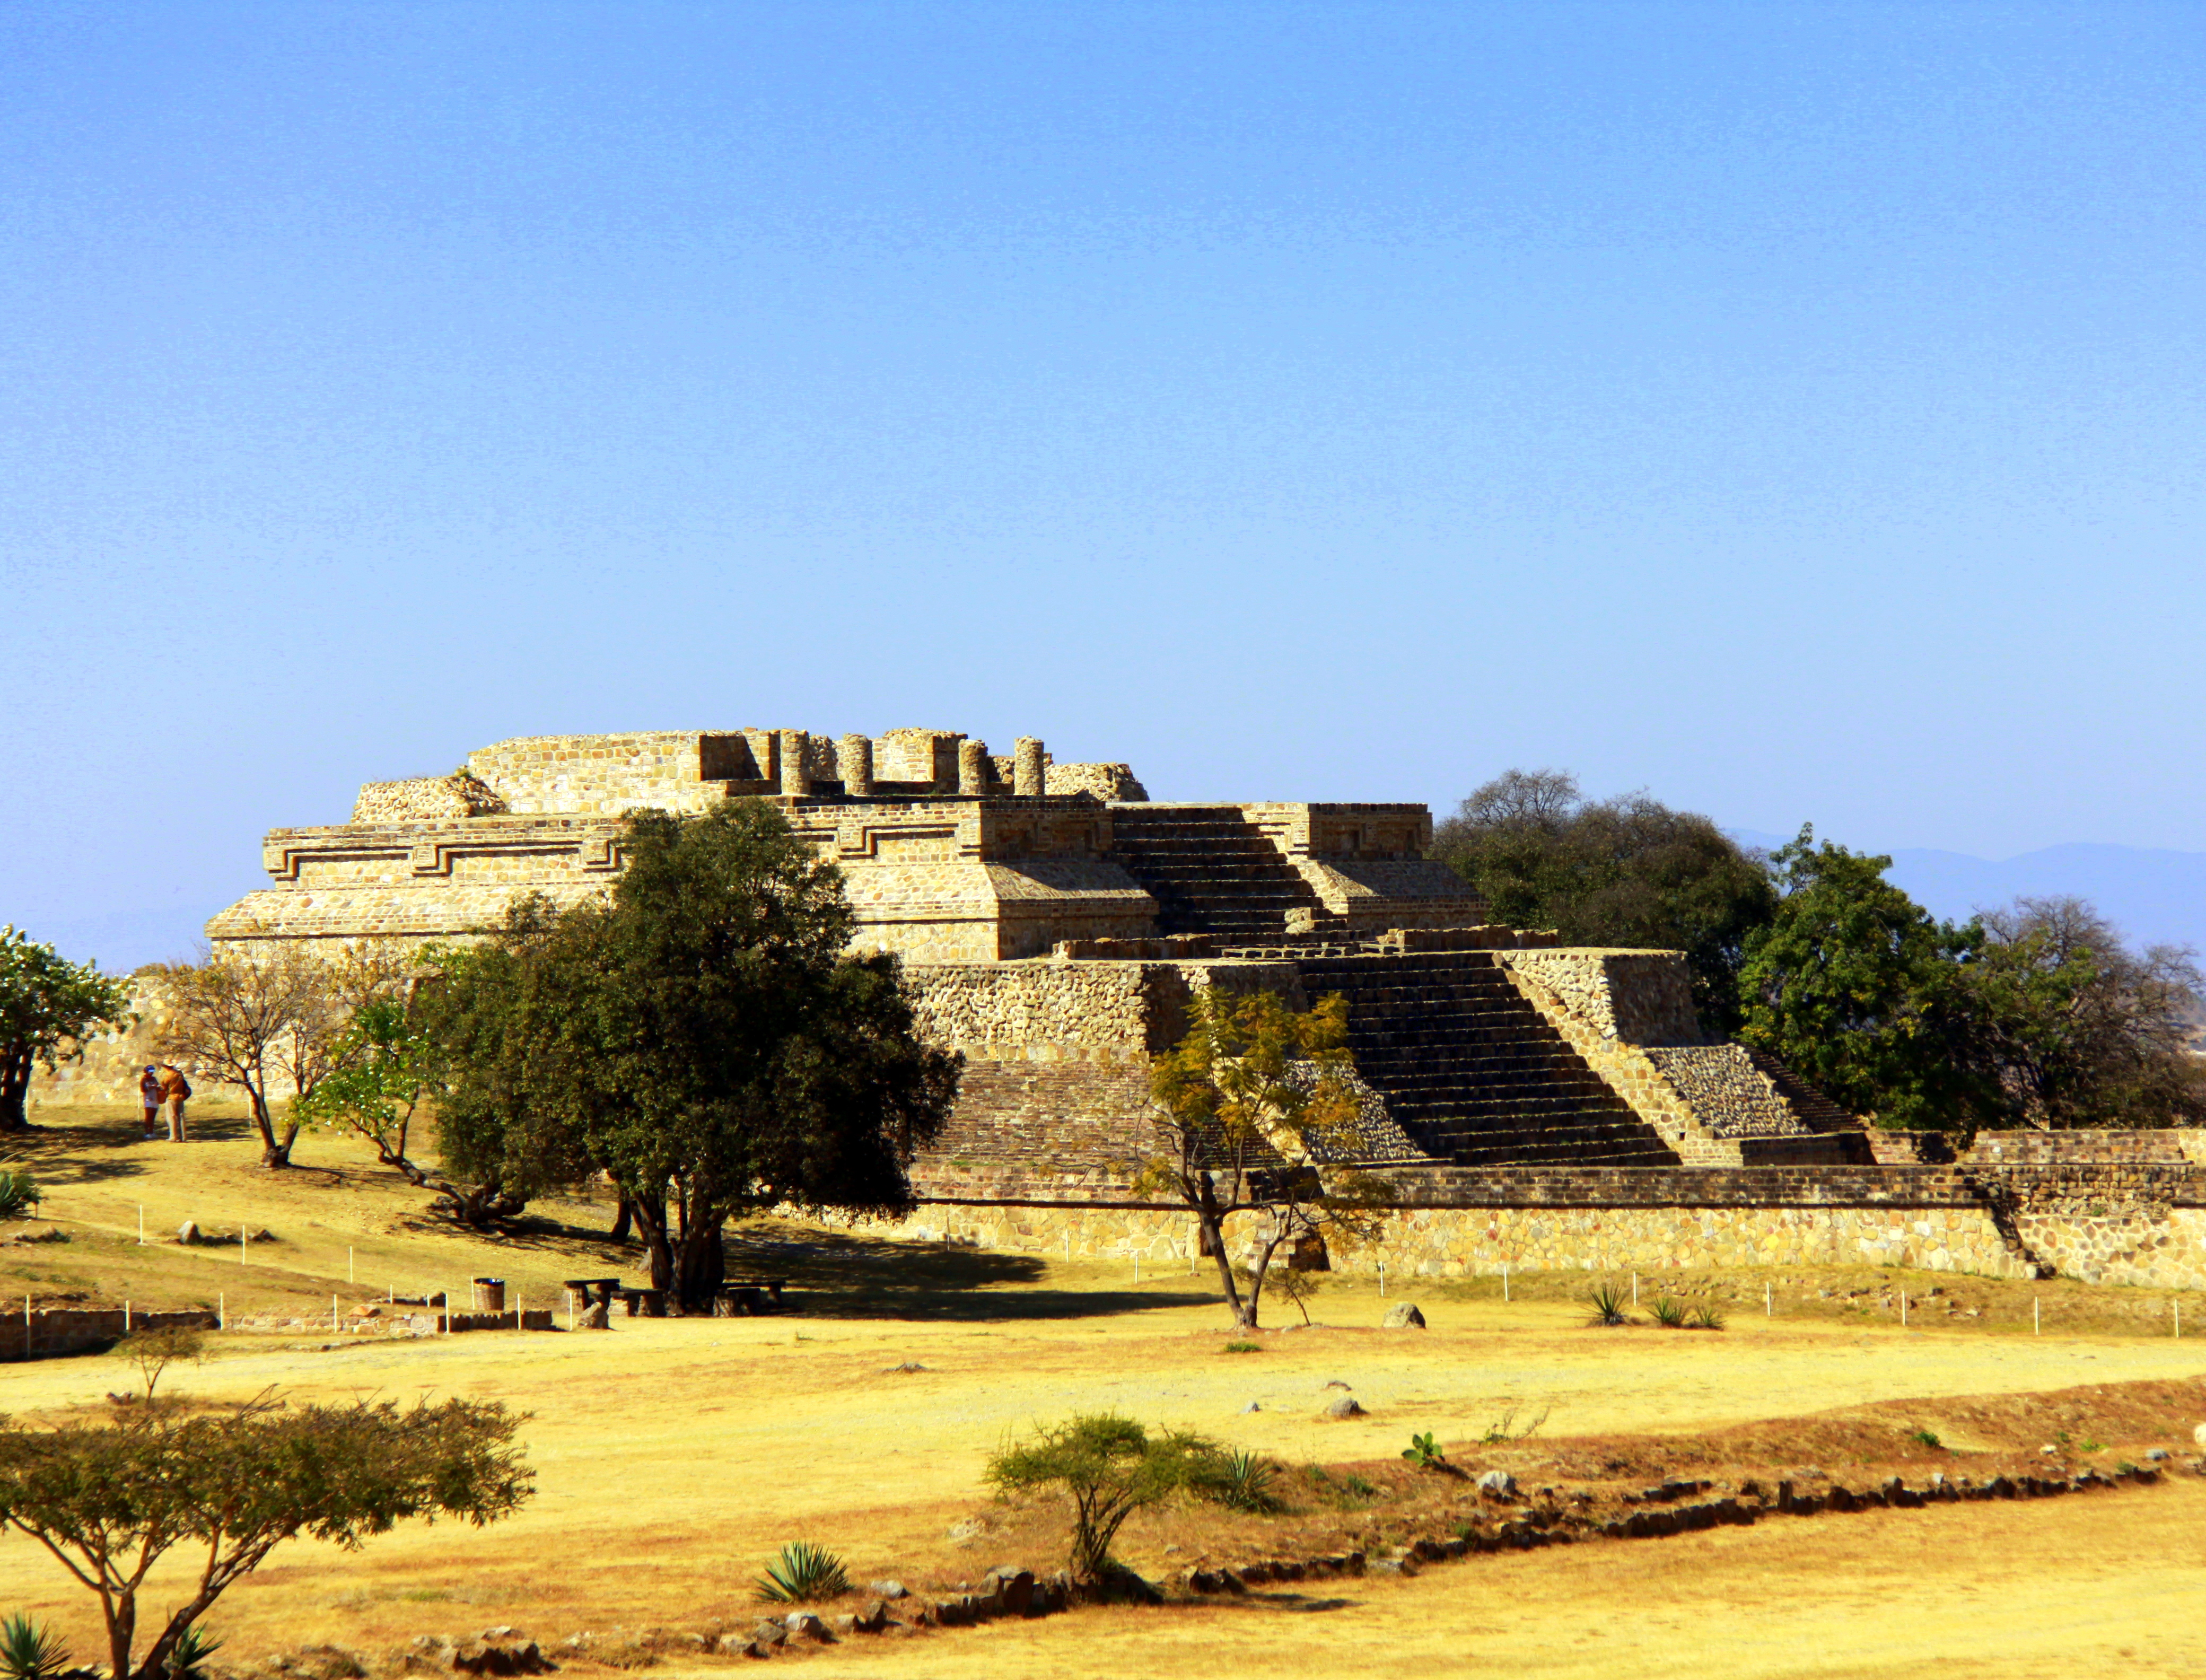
column 700, row 1264
column 14, row 1091
column 1212, row 1219
column 651, row 1225
column 624, row 1222
column 272, row 1153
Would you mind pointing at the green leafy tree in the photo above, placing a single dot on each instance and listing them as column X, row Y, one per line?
column 387, row 1063
column 2074, row 1029
column 48, row 1004
column 109, row 1500
column 1628, row 872
column 1112, row 1467
column 1259, row 1112
column 1857, row 989
column 701, row 1038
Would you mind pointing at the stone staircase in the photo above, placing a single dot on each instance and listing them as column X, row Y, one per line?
column 1211, row 871
column 1471, row 1071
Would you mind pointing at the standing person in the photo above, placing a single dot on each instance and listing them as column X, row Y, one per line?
column 149, row 1098
column 175, row 1088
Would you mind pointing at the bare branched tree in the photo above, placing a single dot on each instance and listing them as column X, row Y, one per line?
column 248, row 1017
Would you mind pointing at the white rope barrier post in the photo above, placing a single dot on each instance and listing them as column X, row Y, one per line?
column 126, row 1315
column 141, row 1224
column 1505, row 1281
column 1903, row 1309
column 1382, row 1278
column 244, row 1242
column 1635, row 1288
column 1769, row 1302
column 26, row 1327
column 333, row 1315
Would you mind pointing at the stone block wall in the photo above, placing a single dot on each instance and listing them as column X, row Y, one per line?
column 2174, row 1146
column 1638, row 996
column 51, row 1330
column 598, row 774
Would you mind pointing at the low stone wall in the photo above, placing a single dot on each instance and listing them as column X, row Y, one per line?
column 2140, row 1225
column 49, row 1331
column 2174, row 1147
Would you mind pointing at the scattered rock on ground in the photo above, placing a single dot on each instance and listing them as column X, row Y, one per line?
column 1345, row 1407
column 1403, row 1317
column 188, row 1232
column 887, row 1589
column 1497, row 1481
column 1252, row 1406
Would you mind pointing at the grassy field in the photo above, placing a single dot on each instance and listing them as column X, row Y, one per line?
column 673, row 1456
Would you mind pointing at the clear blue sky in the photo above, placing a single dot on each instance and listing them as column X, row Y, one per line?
column 1793, row 409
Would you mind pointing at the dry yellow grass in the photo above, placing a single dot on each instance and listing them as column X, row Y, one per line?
column 674, row 1456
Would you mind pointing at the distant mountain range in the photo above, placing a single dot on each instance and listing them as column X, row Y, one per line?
column 2155, row 897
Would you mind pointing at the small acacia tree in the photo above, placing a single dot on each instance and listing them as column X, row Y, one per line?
column 109, row 1500
column 47, row 1002
column 1111, row 1467
column 248, row 1016
column 386, row 1064
column 1254, row 1102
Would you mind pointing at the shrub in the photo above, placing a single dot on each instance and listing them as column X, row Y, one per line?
column 1926, row 1438
column 1112, row 1467
column 19, row 1195
column 29, row 1651
column 1669, row 1314
column 1424, row 1451
column 1707, row 1318
column 1608, row 1302
column 803, row 1574
column 1245, row 1346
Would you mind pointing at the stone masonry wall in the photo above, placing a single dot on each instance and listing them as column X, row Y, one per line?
column 1639, row 997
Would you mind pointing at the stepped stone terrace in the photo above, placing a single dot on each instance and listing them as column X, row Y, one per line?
column 1054, row 921
column 1532, row 1104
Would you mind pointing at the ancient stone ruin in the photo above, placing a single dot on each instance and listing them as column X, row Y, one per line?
column 1536, row 1105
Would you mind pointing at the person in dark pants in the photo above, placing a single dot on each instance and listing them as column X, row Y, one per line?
column 149, row 1098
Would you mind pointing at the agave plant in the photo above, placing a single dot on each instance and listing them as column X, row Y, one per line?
column 19, row 1195
column 28, row 1651
column 188, row 1657
column 1247, row 1483
column 1669, row 1314
column 803, row 1574
column 1608, row 1302
column 1707, row 1318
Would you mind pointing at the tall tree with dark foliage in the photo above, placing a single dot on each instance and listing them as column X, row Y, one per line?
column 702, row 1038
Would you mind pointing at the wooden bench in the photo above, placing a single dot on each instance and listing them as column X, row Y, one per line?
column 745, row 1297
column 643, row 1301
column 584, row 1293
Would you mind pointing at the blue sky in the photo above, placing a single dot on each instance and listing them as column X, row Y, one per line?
column 1793, row 410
